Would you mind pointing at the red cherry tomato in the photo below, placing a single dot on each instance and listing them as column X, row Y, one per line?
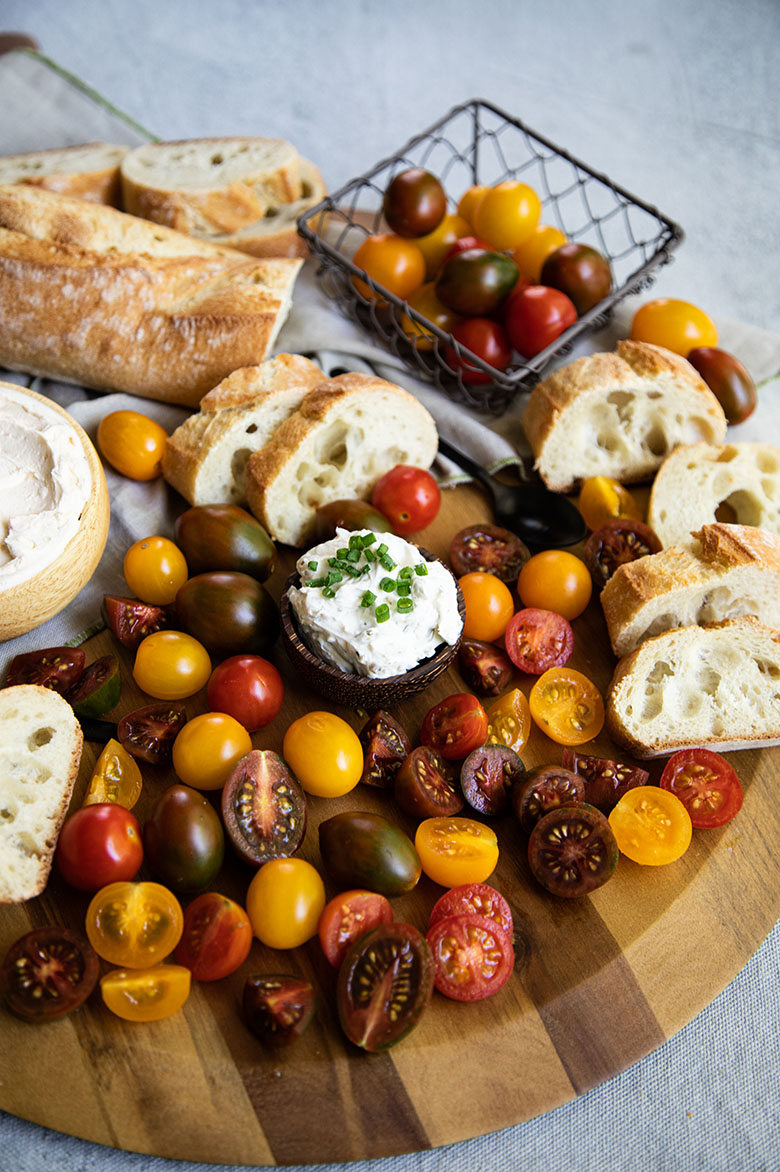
column 706, row 785
column 536, row 316
column 216, row 938
column 477, row 899
column 349, row 916
column 473, row 956
column 248, row 688
column 409, row 497
column 485, row 338
column 455, row 726
column 537, row 639
column 99, row 844
column 465, row 244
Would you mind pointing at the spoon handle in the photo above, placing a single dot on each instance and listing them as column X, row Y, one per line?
column 467, row 464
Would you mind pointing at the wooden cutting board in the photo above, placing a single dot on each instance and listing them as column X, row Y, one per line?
column 599, row 981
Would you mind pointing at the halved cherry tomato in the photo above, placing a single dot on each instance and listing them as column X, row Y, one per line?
column 263, row 808
column 132, row 443
column 131, row 620
column 216, row 937
column 488, row 549
column 98, row 688
column 155, row 569
column 99, row 844
column 509, row 721
column 409, row 497
column 489, row 606
column 208, row 748
column 602, row 498
column 56, row 668
column 349, row 916
column 676, row 325
column 614, row 543
column 567, row 706
column 284, row 902
column 474, row 899
column 277, row 1007
column 395, row 264
column 486, row 339
column 545, row 788
column 706, row 785
column 556, row 580
column 487, row 776
column 507, row 214
column 454, row 851
column 386, row 746
column 148, row 733
column 485, row 668
column 115, row 778
column 651, row 825
column 134, row 925
column 537, row 639
column 47, row 973
column 472, row 955
column 425, row 785
column 605, row 780
column 572, row 850
column 324, row 753
column 455, row 726
column 385, row 983
column 171, row 665
column 536, row 317
column 148, row 994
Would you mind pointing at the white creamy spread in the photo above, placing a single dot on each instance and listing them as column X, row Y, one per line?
column 342, row 621
column 45, row 482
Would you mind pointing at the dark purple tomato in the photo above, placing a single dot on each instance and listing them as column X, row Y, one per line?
column 487, row 777
column 572, row 850
column 579, row 271
column 361, row 849
column 385, row 747
column 277, row 1007
column 148, row 733
column 350, row 515
column 414, row 202
column 98, row 689
column 47, row 973
column 263, row 808
column 605, row 780
column 425, row 785
column 229, row 613
column 56, row 668
column 728, row 380
column 544, row 789
column 184, row 843
column 132, row 620
column 617, row 541
column 489, row 549
column 384, row 984
column 225, row 537
column 475, row 282
column 485, row 668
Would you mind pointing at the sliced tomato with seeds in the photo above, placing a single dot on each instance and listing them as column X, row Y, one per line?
column 263, row 808
column 490, row 549
column 567, row 706
column 385, row 746
column 455, row 726
column 484, row 667
column 47, row 973
column 98, row 688
column 384, row 984
column 473, row 956
column 545, row 788
column 278, row 1007
column 538, row 639
column 475, row 899
column 131, row 620
column 509, row 721
column 572, row 850
column 56, row 668
column 425, row 785
column 347, row 917
column 616, row 542
column 605, row 780
column 706, row 784
column 148, row 733
column 487, row 776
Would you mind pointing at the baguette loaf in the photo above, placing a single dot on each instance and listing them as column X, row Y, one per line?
column 618, row 415
column 87, row 172
column 343, row 437
column 94, row 296
column 210, row 186
column 713, row 685
column 277, row 233
column 727, row 571
column 697, row 483
column 205, row 458
column 40, row 754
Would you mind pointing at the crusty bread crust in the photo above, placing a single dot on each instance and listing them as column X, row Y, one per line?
column 88, row 172
column 91, row 295
column 618, row 414
column 277, row 233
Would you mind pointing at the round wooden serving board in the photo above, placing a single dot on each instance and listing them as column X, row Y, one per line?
column 599, row 981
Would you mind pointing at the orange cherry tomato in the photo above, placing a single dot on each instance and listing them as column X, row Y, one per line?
column 533, row 252
column 454, row 851
column 651, row 825
column 556, row 580
column 134, row 924
column 467, row 204
column 437, row 244
column 115, row 778
column 509, row 721
column 603, row 498
column 675, row 325
column 171, row 665
column 132, row 443
column 149, row 994
column 394, row 262
column 567, row 706
column 207, row 749
column 324, row 753
column 489, row 606
column 155, row 569
column 507, row 214
column 284, row 902
column 425, row 302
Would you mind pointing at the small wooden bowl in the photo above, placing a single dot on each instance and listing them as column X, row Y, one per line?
column 348, row 688
column 25, row 606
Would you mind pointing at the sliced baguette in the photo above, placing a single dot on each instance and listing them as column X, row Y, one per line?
column 618, row 415
column 697, row 483
column 343, row 437
column 86, row 172
column 205, row 458
column 277, row 233
column 716, row 685
column 40, row 752
column 726, row 572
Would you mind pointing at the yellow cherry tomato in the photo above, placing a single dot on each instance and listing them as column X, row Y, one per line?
column 146, row 994
column 171, row 665
column 155, row 569
column 567, row 706
column 651, row 825
column 456, row 850
column 437, row 244
column 509, row 721
column 394, row 262
column 134, row 924
column 556, row 580
column 428, row 305
column 603, row 499
column 467, row 204
column 507, row 214
column 132, row 443
column 675, row 325
column 324, row 753
column 533, row 252
column 208, row 748
column 115, row 778
column 284, row 902
column 489, row 606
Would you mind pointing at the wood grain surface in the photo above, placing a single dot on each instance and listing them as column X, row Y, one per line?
column 599, row 981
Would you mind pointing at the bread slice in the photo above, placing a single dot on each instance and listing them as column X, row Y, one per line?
column 343, row 437
column 210, row 186
column 727, row 571
column 700, row 483
column 277, row 233
column 205, row 458
column 87, row 172
column 40, row 752
column 91, row 295
column 618, row 414
column 716, row 685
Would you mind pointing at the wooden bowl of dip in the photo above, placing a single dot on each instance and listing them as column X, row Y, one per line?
column 47, row 465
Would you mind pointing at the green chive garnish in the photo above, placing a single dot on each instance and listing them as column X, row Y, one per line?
column 404, row 588
column 316, row 582
column 313, row 565
column 386, row 562
column 404, row 605
column 381, row 549
column 353, row 554
column 328, row 592
column 387, row 584
column 368, row 539
column 334, row 576
column 354, row 541
column 342, row 553
column 421, row 569
column 367, row 599
column 382, row 613
column 406, row 572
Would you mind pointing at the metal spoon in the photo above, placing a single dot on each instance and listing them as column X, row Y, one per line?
column 537, row 515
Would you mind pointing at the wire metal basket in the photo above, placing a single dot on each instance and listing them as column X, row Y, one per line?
column 478, row 143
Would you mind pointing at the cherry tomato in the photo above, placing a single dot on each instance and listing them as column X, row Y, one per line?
column 284, row 902
column 56, row 668
column 134, row 925
column 132, row 443
column 426, row 302
column 455, row 726
column 424, row 785
column 324, row 753
column 467, row 203
column 728, row 380
column 567, row 706
column 208, row 748
column 545, row 788
column 489, row 606
column 385, row 747
column 675, row 325
column 472, row 955
column 475, row 899
column 131, row 620
column 532, row 253
column 148, row 733
column 454, row 851
column 536, row 317
column 414, row 202
column 248, row 688
column 263, row 808
column 603, row 498
column 486, row 669
column 487, row 340
column 216, row 937
column 229, row 613
column 466, row 243
column 409, row 497
column 347, row 917
column 476, row 281
column 171, row 665
column 348, row 514
column 651, row 825
column 396, row 265
column 277, row 1007
column 47, row 973
column 706, row 785
column 437, row 243
column 489, row 548
column 487, row 776
column 99, row 844
column 154, row 569
column 555, row 580
column 507, row 214
column 361, row 849
column 579, row 271
column 614, row 544
column 148, row 994
column 509, row 721
column 115, row 778
column 184, row 842
column 385, row 983
column 572, row 850
column 538, row 639
column 225, row 537
column 605, row 780
column 97, row 689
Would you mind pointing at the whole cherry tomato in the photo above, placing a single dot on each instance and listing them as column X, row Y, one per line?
column 489, row 606
column 216, row 937
column 225, row 537
column 532, row 253
column 284, row 902
column 149, row 994
column 467, row 204
column 207, row 749
column 184, row 840
column 507, row 214
column 414, row 202
column 485, row 338
column 454, row 851
column 675, row 325
column 426, row 302
column 409, row 497
column 437, row 243
column 651, row 825
column 476, row 281
column 728, row 380
column 99, row 844
column 132, row 443
column 395, row 264
column 171, row 665
column 579, row 271
column 248, row 688
column 324, row 753
column 455, row 726
column 556, row 580
column 155, row 569
column 466, row 243
column 536, row 317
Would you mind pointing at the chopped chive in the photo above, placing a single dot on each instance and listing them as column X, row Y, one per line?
column 382, row 613
column 316, row 582
column 328, row 592
column 369, row 555
column 354, row 541
column 404, row 605
column 354, row 572
column 367, row 539
column 387, row 584
column 313, row 565
column 386, row 562
column 406, row 572
column 404, row 588
column 381, row 549
column 353, row 554
column 342, row 553
column 367, row 598
column 421, row 569
column 334, row 576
